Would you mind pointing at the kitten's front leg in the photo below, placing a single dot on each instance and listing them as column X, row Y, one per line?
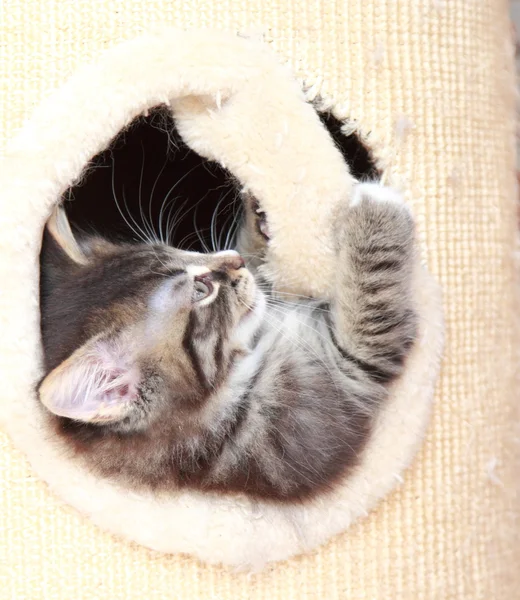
column 373, row 315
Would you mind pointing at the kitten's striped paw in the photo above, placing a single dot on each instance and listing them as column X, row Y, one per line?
column 376, row 215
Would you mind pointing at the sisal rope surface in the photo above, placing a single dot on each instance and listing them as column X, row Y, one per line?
column 432, row 81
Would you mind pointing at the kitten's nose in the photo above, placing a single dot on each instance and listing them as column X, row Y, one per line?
column 230, row 261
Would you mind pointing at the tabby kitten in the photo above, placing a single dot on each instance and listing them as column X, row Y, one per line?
column 169, row 369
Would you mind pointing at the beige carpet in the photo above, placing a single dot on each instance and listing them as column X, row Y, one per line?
column 433, row 82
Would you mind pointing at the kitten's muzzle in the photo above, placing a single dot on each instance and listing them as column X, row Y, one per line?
column 229, row 260
column 229, row 265
column 220, row 268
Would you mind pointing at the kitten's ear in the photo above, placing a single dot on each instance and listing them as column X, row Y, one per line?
column 59, row 227
column 97, row 384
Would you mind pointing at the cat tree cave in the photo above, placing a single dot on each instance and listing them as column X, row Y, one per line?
column 423, row 516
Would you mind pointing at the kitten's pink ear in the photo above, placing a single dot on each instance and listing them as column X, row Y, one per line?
column 96, row 385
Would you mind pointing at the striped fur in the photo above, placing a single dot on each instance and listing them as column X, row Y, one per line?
column 237, row 393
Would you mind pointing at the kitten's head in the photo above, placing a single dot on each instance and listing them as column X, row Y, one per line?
column 134, row 333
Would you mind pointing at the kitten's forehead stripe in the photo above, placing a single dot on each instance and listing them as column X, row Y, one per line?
column 188, row 343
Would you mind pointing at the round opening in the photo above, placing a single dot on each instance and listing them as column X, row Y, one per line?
column 148, row 184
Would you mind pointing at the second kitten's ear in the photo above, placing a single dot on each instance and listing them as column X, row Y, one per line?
column 59, row 227
column 97, row 384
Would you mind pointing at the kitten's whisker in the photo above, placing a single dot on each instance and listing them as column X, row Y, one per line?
column 142, row 234
column 197, row 232
column 232, row 233
column 178, row 218
column 175, row 217
column 159, row 259
column 292, row 303
column 165, row 206
column 179, row 181
column 161, row 236
column 305, row 324
column 304, row 345
column 180, row 214
column 275, row 293
column 193, row 235
column 147, row 226
column 214, row 221
column 300, row 342
column 139, row 197
column 223, row 228
column 133, row 228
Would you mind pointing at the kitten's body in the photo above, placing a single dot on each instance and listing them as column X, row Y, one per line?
column 158, row 389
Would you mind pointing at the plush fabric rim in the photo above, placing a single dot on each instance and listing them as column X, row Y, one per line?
column 234, row 103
